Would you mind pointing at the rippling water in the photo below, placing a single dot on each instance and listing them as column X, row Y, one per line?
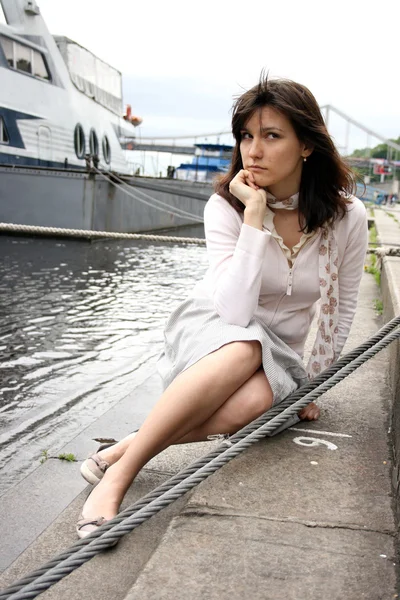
column 80, row 324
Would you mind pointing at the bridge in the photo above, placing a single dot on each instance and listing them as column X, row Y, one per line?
column 173, row 145
column 347, row 133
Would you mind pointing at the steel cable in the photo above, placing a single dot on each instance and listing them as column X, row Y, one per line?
column 126, row 186
column 169, row 208
column 178, row 485
column 154, row 203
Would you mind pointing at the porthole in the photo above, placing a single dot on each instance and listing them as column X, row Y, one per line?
column 79, row 141
column 93, row 143
column 106, row 150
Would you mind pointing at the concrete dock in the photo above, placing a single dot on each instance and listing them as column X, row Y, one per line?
column 305, row 515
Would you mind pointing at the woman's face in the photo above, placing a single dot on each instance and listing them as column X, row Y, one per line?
column 271, row 150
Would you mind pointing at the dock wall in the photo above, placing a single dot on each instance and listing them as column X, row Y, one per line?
column 81, row 200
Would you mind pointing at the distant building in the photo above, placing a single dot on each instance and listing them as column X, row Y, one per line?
column 209, row 160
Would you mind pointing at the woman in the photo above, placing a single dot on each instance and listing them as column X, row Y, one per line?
column 282, row 231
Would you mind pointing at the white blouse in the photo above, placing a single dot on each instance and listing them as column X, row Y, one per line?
column 289, row 253
column 249, row 275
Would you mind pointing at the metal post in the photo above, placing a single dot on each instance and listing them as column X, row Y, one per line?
column 327, row 116
column 347, row 138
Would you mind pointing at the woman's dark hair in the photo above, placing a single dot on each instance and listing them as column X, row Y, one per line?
column 326, row 180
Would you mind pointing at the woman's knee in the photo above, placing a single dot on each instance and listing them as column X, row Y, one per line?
column 255, row 399
column 248, row 353
column 259, row 398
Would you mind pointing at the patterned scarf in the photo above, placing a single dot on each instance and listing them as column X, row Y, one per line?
column 324, row 350
column 290, row 203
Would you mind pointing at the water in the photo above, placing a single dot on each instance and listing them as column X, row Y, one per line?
column 80, row 326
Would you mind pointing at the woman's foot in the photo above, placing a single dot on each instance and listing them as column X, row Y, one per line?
column 310, row 412
column 85, row 527
column 97, row 511
column 103, row 501
column 94, row 467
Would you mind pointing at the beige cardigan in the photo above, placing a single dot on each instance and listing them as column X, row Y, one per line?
column 249, row 275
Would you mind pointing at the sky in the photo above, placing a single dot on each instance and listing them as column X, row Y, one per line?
column 183, row 62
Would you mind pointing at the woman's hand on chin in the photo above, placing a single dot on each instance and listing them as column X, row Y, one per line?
column 244, row 187
column 253, row 197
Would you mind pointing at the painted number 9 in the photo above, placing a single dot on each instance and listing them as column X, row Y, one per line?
column 312, row 442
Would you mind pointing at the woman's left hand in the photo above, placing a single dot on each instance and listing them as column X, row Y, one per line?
column 310, row 412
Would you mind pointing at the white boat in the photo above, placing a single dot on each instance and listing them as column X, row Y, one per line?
column 58, row 102
column 61, row 121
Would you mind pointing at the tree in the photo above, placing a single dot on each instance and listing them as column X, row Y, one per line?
column 380, row 151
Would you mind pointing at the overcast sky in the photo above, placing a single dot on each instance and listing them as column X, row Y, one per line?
column 183, row 61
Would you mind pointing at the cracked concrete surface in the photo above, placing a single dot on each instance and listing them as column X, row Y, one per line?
column 217, row 511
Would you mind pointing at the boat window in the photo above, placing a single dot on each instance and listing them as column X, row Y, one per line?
column 4, row 137
column 39, row 66
column 8, row 50
column 106, row 150
column 23, row 58
column 79, row 141
column 93, row 143
column 91, row 75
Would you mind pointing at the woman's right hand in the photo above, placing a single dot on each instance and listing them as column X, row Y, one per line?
column 245, row 189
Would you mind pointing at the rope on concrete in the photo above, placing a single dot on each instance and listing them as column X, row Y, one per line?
column 91, row 234
column 32, row 585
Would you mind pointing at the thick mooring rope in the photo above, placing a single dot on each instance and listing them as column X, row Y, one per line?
column 389, row 249
column 91, row 234
column 43, row 578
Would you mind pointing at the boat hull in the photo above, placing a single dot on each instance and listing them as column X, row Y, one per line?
column 82, row 200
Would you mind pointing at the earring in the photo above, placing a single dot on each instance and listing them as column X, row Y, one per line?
column 304, row 159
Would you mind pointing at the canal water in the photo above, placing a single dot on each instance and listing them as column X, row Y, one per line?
column 81, row 323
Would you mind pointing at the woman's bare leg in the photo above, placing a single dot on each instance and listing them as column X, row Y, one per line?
column 250, row 401
column 187, row 404
column 222, row 421
column 254, row 397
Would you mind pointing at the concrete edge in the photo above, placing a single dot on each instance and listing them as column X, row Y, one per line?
column 46, row 491
column 390, row 285
column 390, row 289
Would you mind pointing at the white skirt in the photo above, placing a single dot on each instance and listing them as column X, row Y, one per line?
column 194, row 330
